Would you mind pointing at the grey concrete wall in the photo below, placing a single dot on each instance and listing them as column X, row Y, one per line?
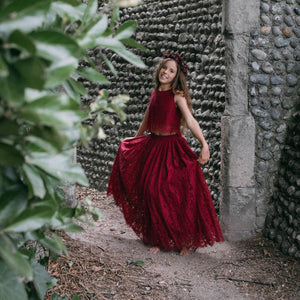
column 237, row 210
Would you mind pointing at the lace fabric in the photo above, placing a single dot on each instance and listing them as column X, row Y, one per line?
column 159, row 186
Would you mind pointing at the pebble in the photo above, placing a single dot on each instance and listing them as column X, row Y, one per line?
column 287, row 32
column 288, row 21
column 277, row 80
column 259, row 54
column 259, row 113
column 291, row 80
column 275, row 101
column 265, row 19
column 263, row 90
column 276, row 54
column 264, row 7
column 276, row 90
column 276, row 30
column 297, row 32
column 266, row 30
column 259, row 79
column 281, row 42
column 255, row 66
column 267, row 67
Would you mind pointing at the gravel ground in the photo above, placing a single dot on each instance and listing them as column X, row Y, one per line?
column 108, row 261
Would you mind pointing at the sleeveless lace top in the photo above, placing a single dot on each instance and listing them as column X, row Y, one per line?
column 163, row 115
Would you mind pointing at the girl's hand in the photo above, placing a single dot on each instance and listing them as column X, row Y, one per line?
column 204, row 155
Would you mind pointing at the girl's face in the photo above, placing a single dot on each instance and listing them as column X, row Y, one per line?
column 167, row 73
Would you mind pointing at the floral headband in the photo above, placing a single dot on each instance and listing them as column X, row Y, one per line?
column 179, row 60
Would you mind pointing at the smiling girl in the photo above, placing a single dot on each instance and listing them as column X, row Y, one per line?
column 157, row 180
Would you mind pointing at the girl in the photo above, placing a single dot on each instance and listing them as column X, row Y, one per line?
column 156, row 179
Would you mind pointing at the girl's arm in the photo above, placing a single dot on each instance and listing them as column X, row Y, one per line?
column 193, row 125
column 143, row 126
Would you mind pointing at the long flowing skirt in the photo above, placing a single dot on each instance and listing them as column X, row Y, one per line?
column 159, row 186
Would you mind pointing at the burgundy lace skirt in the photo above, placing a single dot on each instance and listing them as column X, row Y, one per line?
column 159, row 186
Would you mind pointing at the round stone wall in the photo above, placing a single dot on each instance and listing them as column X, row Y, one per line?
column 193, row 30
column 273, row 95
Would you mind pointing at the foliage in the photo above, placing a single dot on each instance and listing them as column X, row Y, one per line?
column 42, row 45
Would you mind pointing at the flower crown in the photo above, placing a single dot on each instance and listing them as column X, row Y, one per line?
column 179, row 61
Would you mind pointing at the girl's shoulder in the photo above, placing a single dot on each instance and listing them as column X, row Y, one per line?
column 179, row 93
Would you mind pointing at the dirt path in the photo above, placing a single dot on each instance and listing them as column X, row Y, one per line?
column 252, row 269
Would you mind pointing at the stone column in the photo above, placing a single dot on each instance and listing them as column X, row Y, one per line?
column 237, row 207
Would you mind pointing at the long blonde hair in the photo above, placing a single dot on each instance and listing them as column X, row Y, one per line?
column 178, row 85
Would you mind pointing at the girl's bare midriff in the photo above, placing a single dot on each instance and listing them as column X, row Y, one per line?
column 163, row 133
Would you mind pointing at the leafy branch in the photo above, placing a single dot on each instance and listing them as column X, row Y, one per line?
column 41, row 46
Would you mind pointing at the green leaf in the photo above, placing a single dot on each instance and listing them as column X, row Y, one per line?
column 92, row 75
column 23, row 41
column 110, row 43
column 130, row 57
column 127, row 3
column 10, row 156
column 35, row 181
column 74, row 89
column 90, row 11
column 12, row 88
column 51, row 135
column 31, row 219
column 10, row 285
column 78, row 87
column 54, row 45
column 126, row 30
column 60, row 71
column 8, row 127
column 62, row 50
column 68, row 11
column 57, row 111
column 134, row 44
column 13, row 258
column 109, row 64
column 24, row 15
column 56, row 297
column 115, row 15
column 3, row 68
column 41, row 279
column 71, row 227
column 52, row 244
column 59, row 166
column 32, row 71
column 69, row 90
column 13, row 202
column 137, row 263
column 89, row 36
column 36, row 144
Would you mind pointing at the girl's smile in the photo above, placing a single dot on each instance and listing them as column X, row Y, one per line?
column 167, row 73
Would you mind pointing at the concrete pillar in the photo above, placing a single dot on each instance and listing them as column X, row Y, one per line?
column 237, row 207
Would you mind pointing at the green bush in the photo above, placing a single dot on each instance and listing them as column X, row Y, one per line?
column 41, row 46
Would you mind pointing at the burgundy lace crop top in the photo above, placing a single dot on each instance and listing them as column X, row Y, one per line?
column 163, row 115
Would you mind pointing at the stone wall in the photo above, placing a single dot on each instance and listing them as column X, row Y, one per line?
column 283, row 219
column 193, row 30
column 274, row 63
column 273, row 94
